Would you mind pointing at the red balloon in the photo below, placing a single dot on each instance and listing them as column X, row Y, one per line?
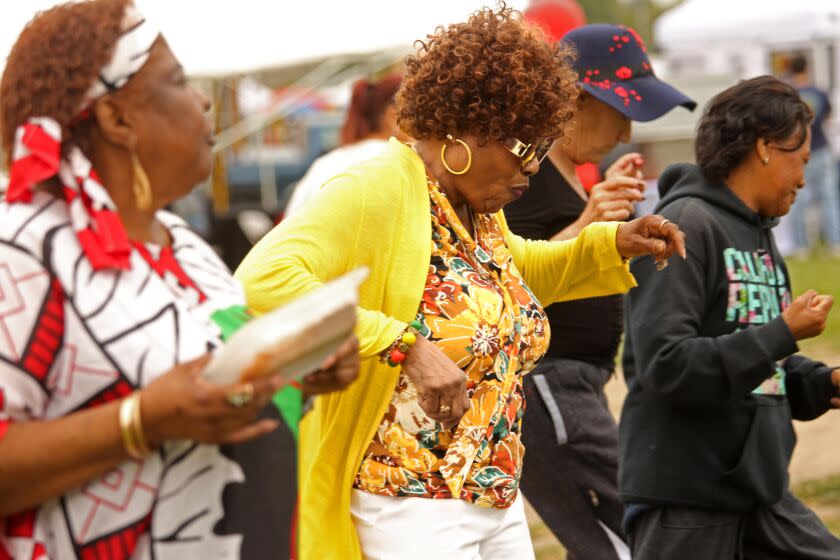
column 556, row 17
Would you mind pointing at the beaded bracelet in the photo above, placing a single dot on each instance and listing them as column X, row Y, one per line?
column 394, row 355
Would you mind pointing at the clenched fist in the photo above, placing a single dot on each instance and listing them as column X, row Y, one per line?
column 651, row 235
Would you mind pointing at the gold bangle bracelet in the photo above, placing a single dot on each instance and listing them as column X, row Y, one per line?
column 137, row 426
column 128, row 414
column 126, row 417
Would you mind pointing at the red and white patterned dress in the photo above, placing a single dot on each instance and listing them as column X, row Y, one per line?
column 72, row 337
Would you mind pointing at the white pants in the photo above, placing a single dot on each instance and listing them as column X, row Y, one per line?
column 421, row 528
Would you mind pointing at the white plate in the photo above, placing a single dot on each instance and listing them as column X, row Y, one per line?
column 294, row 339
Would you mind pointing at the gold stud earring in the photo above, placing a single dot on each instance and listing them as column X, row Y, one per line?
column 140, row 185
column 443, row 155
column 766, row 160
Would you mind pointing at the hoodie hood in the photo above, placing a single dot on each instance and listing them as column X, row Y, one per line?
column 686, row 180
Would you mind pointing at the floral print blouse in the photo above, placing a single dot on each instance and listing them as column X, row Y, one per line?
column 478, row 310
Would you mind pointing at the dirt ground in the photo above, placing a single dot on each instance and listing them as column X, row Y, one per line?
column 815, row 457
column 816, row 449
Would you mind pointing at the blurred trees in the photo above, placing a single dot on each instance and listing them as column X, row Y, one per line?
column 639, row 14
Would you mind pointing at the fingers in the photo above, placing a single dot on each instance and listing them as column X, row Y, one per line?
column 327, row 381
column 453, row 417
column 343, row 371
column 346, row 355
column 260, row 390
column 657, row 226
column 628, row 186
column 628, row 165
column 612, row 211
column 440, row 383
column 615, row 215
column 806, row 298
column 447, row 407
column 459, row 402
column 329, row 363
column 348, row 348
column 456, row 399
column 616, row 205
column 251, row 431
column 656, row 247
column 676, row 240
column 614, row 200
column 266, row 387
column 430, row 403
column 213, row 400
column 196, row 366
column 822, row 303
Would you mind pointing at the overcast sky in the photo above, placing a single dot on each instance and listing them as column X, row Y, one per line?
column 221, row 35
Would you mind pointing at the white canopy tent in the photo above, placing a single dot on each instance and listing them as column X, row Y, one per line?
column 767, row 21
column 223, row 37
column 317, row 42
column 721, row 41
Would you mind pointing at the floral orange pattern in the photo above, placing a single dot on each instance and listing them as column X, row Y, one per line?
column 478, row 310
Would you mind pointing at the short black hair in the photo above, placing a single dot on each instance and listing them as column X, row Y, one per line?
column 735, row 119
column 798, row 64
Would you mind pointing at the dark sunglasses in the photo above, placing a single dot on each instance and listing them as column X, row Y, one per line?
column 527, row 152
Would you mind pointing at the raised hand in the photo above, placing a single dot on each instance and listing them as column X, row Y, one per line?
column 806, row 315
column 650, row 235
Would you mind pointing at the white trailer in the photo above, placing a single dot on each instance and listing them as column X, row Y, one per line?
column 715, row 40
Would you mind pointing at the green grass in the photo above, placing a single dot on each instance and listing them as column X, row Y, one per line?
column 823, row 496
column 820, row 273
column 822, row 492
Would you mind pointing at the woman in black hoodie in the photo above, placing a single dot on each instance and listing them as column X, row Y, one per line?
column 714, row 382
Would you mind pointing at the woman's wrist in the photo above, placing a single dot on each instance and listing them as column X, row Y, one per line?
column 396, row 353
column 153, row 417
column 580, row 224
column 618, row 242
column 131, row 427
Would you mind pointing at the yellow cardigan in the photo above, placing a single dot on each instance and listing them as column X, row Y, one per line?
column 377, row 214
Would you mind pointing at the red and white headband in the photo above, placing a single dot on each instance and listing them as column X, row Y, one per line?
column 130, row 54
column 36, row 155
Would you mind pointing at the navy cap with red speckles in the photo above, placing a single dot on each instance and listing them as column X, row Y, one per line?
column 613, row 66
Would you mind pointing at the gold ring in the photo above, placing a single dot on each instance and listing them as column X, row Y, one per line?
column 241, row 396
column 665, row 221
column 444, row 409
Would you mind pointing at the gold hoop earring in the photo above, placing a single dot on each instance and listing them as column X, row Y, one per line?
column 140, row 185
column 443, row 155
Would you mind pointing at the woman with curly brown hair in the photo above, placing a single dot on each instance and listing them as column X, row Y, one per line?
column 421, row 457
column 109, row 436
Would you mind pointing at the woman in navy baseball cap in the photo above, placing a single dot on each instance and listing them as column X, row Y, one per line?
column 568, row 427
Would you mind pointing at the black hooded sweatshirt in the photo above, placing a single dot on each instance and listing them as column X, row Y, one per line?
column 713, row 383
